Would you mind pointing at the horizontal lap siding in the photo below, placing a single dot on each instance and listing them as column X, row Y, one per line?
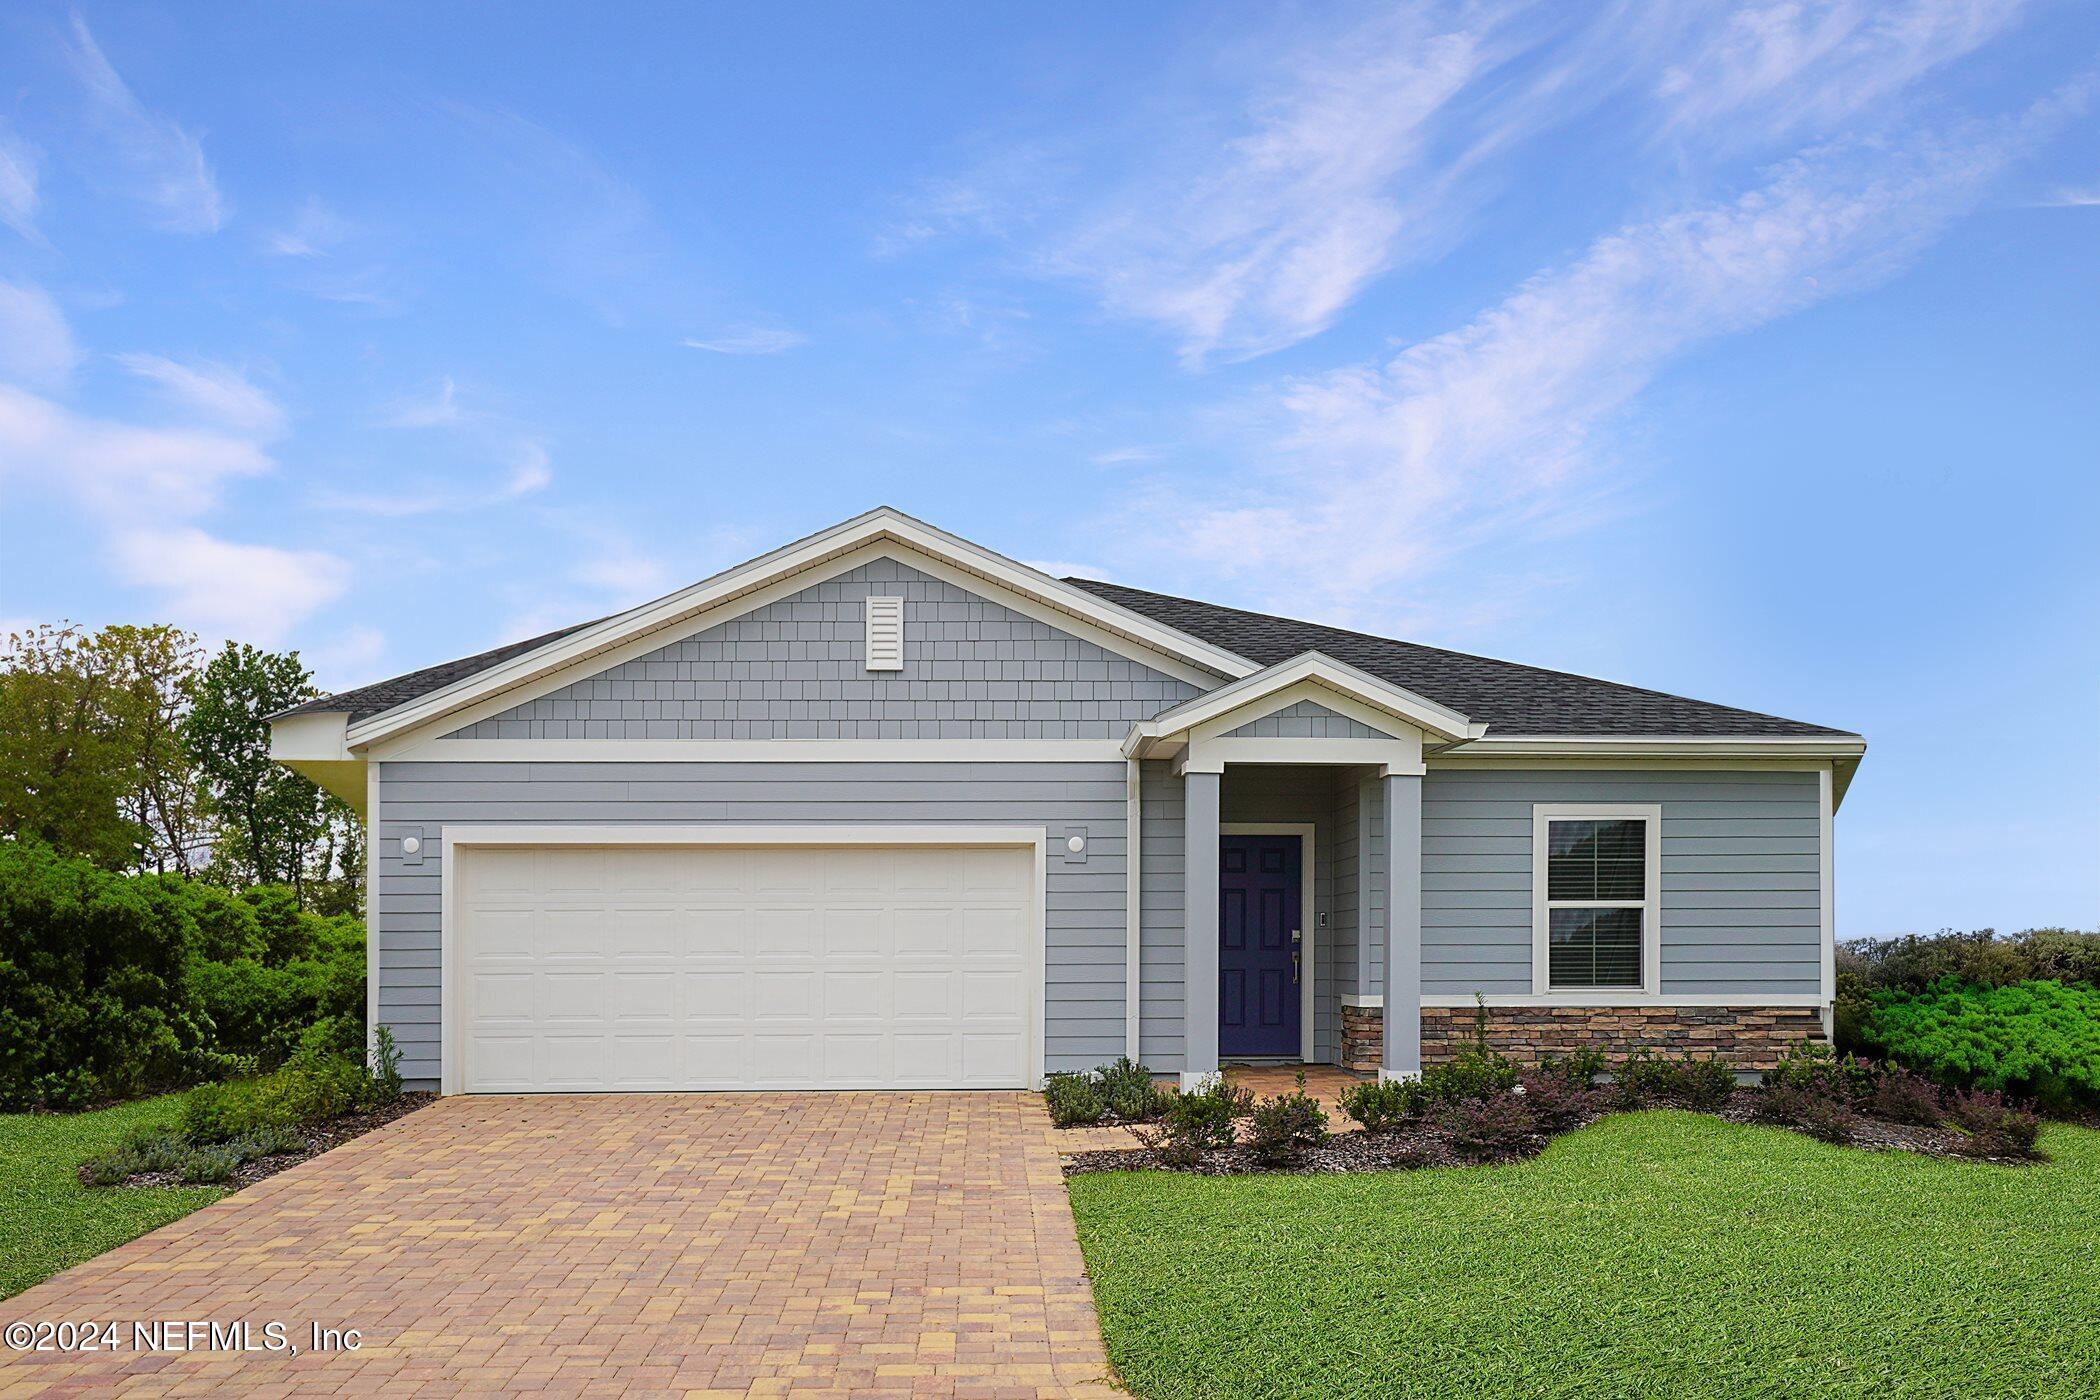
column 1087, row 901
column 1741, row 877
column 1161, row 994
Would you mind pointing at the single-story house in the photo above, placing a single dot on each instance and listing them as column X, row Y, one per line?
column 885, row 810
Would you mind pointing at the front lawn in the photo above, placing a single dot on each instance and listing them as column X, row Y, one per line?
column 1652, row 1253
column 48, row 1220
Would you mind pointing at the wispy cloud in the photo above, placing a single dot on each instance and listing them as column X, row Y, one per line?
column 312, row 232
column 2069, row 197
column 36, row 343
column 18, row 185
column 519, row 450
column 152, row 156
column 435, row 407
column 1492, row 430
column 215, row 392
column 749, row 340
column 254, row 592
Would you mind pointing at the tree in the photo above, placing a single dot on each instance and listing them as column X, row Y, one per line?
column 269, row 818
column 89, row 758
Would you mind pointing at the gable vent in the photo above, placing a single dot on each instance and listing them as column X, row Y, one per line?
column 885, row 634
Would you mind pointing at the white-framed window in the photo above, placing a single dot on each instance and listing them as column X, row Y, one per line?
column 1596, row 898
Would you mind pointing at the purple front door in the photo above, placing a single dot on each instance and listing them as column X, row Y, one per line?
column 1258, row 949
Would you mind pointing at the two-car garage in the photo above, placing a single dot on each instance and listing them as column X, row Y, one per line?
column 600, row 960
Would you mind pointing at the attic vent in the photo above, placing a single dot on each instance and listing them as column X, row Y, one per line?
column 885, row 634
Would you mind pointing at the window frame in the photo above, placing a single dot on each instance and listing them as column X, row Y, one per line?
column 1543, row 815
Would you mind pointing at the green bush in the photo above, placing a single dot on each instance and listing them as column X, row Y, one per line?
column 1281, row 1128
column 1490, row 1129
column 1579, row 1067
column 204, row 1166
column 299, row 1095
column 1813, row 1066
column 112, row 986
column 1197, row 1121
column 1474, row 1074
column 2038, row 1040
column 1128, row 1091
column 1813, row 1110
column 1915, row 963
column 111, row 1168
column 1647, row 1077
column 156, row 1149
column 1382, row 1105
column 1073, row 1098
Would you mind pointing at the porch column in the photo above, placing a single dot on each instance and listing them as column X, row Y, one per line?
column 1199, row 903
column 1403, row 926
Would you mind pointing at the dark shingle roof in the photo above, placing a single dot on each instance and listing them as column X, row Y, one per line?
column 1512, row 699
column 369, row 700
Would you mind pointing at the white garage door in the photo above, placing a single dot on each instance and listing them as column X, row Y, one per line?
column 592, row 968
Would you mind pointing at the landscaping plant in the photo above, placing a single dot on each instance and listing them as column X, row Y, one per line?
column 1073, row 1098
column 1381, row 1105
column 1284, row 1126
column 1645, row 1077
column 1556, row 1101
column 1127, row 1088
column 2038, row 1040
column 1990, row 1127
column 1490, row 1129
column 1197, row 1121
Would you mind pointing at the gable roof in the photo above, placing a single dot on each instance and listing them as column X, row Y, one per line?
column 381, row 696
column 1511, row 699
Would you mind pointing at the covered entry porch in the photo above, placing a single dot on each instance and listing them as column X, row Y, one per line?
column 1281, row 905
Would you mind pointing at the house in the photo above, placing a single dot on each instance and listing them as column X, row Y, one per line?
column 883, row 809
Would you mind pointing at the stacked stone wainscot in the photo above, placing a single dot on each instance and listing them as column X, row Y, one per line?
column 1750, row 1038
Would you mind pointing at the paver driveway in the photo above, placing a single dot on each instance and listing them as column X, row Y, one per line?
column 656, row 1244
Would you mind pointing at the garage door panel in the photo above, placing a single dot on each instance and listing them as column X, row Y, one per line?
column 656, row 967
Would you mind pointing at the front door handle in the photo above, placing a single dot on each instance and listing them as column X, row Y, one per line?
column 1294, row 967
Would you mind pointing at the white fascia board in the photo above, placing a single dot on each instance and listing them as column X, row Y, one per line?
column 314, row 746
column 881, row 524
column 757, row 751
column 1418, row 711
column 1824, row 746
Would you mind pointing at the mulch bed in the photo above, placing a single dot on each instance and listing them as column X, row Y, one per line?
column 1423, row 1144
column 334, row 1133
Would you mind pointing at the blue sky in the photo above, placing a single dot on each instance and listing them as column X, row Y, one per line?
column 1748, row 353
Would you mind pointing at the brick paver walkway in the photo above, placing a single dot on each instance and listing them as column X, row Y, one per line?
column 623, row 1245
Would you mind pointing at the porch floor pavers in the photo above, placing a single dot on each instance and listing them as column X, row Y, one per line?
column 623, row 1245
column 1327, row 1083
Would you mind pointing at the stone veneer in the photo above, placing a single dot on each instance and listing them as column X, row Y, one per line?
column 1749, row 1037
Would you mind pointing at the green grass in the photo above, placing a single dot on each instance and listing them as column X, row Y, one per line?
column 48, row 1220
column 1650, row 1254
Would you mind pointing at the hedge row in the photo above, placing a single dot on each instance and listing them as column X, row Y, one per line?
column 112, row 986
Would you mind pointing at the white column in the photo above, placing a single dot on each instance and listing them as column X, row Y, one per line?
column 1199, row 903
column 1403, row 926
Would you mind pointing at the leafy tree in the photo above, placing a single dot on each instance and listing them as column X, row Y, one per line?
column 66, row 750
column 267, row 815
column 155, row 669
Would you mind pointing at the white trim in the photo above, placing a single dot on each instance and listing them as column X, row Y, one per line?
column 1611, row 999
column 1329, row 677
column 1827, row 849
column 1133, row 925
column 1543, row 814
column 883, row 529
column 372, row 939
column 1366, row 1003
column 761, row 751
column 1749, row 745
column 1387, row 755
column 1308, row 914
column 455, row 837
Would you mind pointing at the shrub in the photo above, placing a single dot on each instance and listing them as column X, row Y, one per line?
column 298, row 1095
column 1197, row 1121
column 1474, row 1074
column 1816, row 1113
column 1812, row 1066
column 110, row 1168
column 1489, row 1130
column 1556, row 1101
column 1914, row 963
column 1578, row 1067
column 155, row 1149
column 112, row 985
column 1990, row 1127
column 1381, row 1105
column 1284, row 1126
column 2038, row 1040
column 1127, row 1089
column 1073, row 1099
column 386, row 1065
column 1646, row 1077
column 1903, row 1097
column 202, row 1166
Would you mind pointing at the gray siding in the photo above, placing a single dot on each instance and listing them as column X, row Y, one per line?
column 1307, row 719
column 796, row 669
column 1160, row 969
column 1084, row 974
column 1741, row 878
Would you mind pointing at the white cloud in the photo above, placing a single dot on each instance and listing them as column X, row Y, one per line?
column 2068, row 197
column 160, row 164
column 252, row 592
column 36, row 344
column 1122, row 456
column 18, row 190
column 531, row 470
column 1491, row 431
column 121, row 470
column 1790, row 63
column 216, row 392
column 750, row 340
column 312, row 233
column 438, row 408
